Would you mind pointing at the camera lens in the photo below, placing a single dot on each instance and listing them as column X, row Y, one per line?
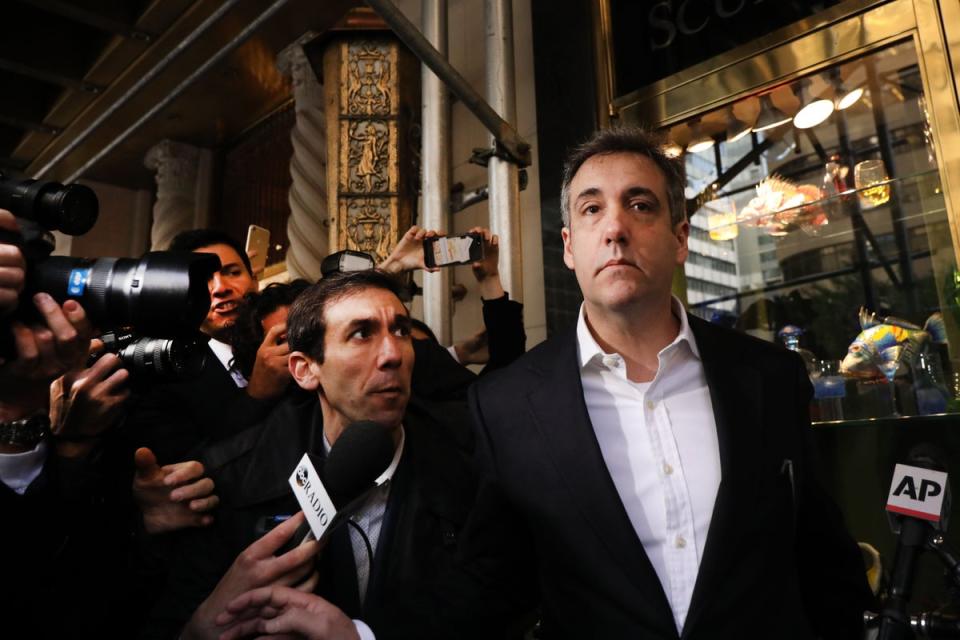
column 72, row 209
column 167, row 359
column 162, row 294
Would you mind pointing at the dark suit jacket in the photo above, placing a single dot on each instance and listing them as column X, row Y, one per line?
column 549, row 525
column 175, row 418
column 430, row 498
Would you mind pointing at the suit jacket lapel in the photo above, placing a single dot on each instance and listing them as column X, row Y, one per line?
column 559, row 411
column 736, row 392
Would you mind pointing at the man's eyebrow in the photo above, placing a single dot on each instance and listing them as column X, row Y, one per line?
column 402, row 320
column 360, row 323
column 588, row 192
column 641, row 191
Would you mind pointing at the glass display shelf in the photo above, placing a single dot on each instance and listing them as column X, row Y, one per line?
column 935, row 420
column 918, row 195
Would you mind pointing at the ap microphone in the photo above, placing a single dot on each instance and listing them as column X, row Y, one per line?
column 917, row 503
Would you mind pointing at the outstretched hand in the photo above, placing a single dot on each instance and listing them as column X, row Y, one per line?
column 487, row 270
column 174, row 496
column 276, row 611
column 271, row 376
column 13, row 267
column 43, row 353
column 408, row 254
column 257, row 567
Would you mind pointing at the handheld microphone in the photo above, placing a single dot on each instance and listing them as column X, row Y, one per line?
column 358, row 458
column 919, row 495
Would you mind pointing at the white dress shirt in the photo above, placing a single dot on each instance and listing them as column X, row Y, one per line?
column 224, row 353
column 370, row 519
column 659, row 442
column 19, row 470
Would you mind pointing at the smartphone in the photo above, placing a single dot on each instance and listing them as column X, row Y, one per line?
column 303, row 534
column 258, row 241
column 440, row 252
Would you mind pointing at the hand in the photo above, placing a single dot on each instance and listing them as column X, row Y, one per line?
column 93, row 397
column 281, row 610
column 487, row 270
column 174, row 496
column 256, row 567
column 270, row 376
column 474, row 349
column 408, row 254
column 13, row 267
column 44, row 353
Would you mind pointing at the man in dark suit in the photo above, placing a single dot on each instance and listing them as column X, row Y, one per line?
column 643, row 474
column 350, row 336
column 173, row 418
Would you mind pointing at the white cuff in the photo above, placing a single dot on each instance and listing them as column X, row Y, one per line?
column 363, row 630
column 19, row 470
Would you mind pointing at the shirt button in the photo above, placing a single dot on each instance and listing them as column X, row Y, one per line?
column 650, row 405
column 680, row 542
column 611, row 362
column 667, row 469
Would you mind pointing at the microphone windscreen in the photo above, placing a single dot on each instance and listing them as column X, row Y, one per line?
column 928, row 456
column 359, row 456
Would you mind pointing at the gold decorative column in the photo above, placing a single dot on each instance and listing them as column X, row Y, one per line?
column 372, row 92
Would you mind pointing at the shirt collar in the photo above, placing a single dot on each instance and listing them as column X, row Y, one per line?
column 589, row 350
column 223, row 351
column 387, row 475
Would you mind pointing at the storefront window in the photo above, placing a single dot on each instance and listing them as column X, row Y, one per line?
column 817, row 220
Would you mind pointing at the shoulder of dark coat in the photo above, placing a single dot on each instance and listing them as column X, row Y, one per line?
column 220, row 457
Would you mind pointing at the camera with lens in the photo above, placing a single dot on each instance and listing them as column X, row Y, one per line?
column 163, row 295
column 155, row 359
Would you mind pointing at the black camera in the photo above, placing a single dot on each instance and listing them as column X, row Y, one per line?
column 72, row 209
column 155, row 358
column 162, row 294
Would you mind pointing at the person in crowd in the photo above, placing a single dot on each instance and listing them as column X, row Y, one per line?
column 643, row 474
column 41, row 487
column 262, row 314
column 71, row 542
column 173, row 419
column 350, row 344
column 500, row 342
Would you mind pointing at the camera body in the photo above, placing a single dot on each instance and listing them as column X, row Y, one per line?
column 162, row 295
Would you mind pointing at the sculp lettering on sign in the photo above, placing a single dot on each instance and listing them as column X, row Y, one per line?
column 917, row 492
column 655, row 39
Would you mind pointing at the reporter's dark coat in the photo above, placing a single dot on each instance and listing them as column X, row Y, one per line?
column 430, row 497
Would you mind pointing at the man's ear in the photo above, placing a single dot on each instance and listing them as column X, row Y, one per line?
column 304, row 370
column 567, row 247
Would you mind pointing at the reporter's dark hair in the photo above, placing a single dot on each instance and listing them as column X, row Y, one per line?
column 193, row 239
column 306, row 324
column 246, row 333
column 425, row 328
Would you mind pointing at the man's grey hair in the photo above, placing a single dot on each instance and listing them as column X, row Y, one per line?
column 628, row 140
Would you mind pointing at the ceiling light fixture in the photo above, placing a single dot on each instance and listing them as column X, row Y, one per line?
column 699, row 141
column 849, row 98
column 736, row 128
column 770, row 117
column 813, row 113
